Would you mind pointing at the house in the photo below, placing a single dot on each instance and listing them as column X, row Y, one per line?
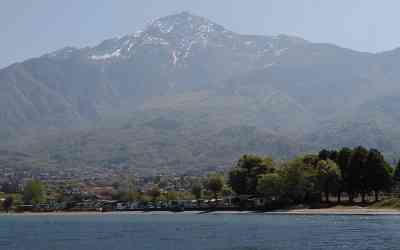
column 176, row 206
column 250, row 202
column 229, row 202
column 133, row 205
column 25, row 208
column 187, row 204
column 257, row 202
column 108, row 205
column 204, row 204
column 121, row 206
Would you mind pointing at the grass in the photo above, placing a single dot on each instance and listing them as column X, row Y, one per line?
column 391, row 203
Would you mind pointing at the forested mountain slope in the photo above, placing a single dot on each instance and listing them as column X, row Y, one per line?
column 186, row 93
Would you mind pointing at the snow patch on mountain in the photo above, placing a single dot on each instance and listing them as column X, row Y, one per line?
column 64, row 53
column 175, row 58
column 116, row 53
column 183, row 34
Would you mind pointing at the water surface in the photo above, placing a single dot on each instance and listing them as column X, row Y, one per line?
column 196, row 232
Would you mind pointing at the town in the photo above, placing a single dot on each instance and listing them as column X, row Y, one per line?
column 345, row 176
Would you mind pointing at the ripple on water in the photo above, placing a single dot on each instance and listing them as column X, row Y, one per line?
column 196, row 232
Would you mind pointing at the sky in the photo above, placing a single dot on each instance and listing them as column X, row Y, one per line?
column 30, row 28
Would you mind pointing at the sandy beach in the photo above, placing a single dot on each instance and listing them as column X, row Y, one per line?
column 340, row 210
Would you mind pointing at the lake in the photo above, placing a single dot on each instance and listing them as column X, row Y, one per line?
column 195, row 232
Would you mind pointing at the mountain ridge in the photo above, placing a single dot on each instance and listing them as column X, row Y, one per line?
column 186, row 77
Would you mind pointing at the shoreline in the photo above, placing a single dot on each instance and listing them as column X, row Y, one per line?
column 319, row 211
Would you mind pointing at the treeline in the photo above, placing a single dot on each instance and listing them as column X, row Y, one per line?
column 329, row 176
column 356, row 172
column 34, row 193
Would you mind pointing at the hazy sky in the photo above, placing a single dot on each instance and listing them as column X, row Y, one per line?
column 30, row 28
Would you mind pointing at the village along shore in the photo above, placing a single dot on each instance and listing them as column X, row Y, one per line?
column 344, row 181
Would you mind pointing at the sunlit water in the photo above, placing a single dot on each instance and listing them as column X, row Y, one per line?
column 183, row 231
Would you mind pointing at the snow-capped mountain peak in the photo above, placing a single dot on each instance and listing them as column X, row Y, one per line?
column 179, row 32
column 183, row 24
column 181, row 36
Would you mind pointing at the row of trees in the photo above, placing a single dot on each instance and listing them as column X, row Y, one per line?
column 356, row 172
column 34, row 193
column 209, row 187
column 362, row 171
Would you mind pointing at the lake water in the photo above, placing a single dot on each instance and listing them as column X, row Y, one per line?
column 195, row 232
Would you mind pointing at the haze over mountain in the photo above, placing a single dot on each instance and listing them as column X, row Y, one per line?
column 187, row 94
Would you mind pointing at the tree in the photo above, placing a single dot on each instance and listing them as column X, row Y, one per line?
column 238, row 181
column 227, row 191
column 328, row 155
column 329, row 177
column 377, row 176
column 299, row 177
column 271, row 186
column 8, row 203
column 243, row 178
column 324, row 154
column 132, row 196
column 343, row 161
column 197, row 191
column 171, row 196
column 396, row 175
column 116, row 185
column 154, row 193
column 215, row 183
column 356, row 181
column 33, row 193
column 119, row 195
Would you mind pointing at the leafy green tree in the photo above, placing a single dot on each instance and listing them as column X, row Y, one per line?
column 227, row 191
column 396, row 175
column 33, row 193
column 324, row 154
column 116, row 185
column 243, row 178
column 307, row 178
column 238, row 181
column 356, row 173
column 132, row 196
column 343, row 161
column 154, row 193
column 329, row 177
column 131, row 183
column 171, row 196
column 8, row 203
column 197, row 191
column 146, row 198
column 328, row 155
column 377, row 176
column 299, row 178
column 215, row 184
column 271, row 186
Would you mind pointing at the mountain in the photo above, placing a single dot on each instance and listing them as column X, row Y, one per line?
column 186, row 94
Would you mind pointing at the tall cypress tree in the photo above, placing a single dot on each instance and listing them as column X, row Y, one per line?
column 396, row 175
column 377, row 175
column 343, row 160
column 356, row 179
